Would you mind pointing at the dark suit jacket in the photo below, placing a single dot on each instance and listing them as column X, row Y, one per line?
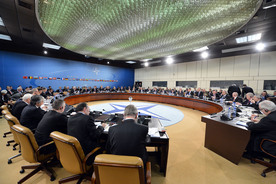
column 4, row 99
column 51, row 121
column 247, row 90
column 266, row 128
column 199, row 94
column 83, row 128
column 18, row 108
column 232, row 89
column 238, row 99
column 256, row 105
column 128, row 138
column 31, row 116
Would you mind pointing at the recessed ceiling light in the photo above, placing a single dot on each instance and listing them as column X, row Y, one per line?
column 146, row 64
column 204, row 55
column 45, row 52
column 250, row 38
column 108, row 62
column 254, row 37
column 130, row 62
column 51, row 46
column 145, row 60
column 5, row 37
column 1, row 22
column 260, row 46
column 201, row 49
column 241, row 39
column 169, row 60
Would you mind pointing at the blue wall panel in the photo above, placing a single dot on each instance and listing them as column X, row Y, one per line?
column 13, row 66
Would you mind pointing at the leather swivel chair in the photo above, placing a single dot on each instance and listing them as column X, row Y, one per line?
column 13, row 121
column 72, row 157
column 118, row 169
column 5, row 112
column 31, row 153
column 271, row 166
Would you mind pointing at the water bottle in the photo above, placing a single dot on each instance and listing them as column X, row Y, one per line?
column 221, row 101
column 229, row 112
column 234, row 111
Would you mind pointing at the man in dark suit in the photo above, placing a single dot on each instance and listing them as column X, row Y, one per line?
column 53, row 120
column 128, row 138
column 248, row 99
column 32, row 114
column 20, row 105
column 235, row 98
column 264, row 128
column 246, row 89
column 83, row 128
column 256, row 101
column 199, row 93
column 234, row 88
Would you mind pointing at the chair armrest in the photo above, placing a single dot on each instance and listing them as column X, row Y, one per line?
column 44, row 145
column 261, row 146
column 93, row 178
column 148, row 173
column 89, row 155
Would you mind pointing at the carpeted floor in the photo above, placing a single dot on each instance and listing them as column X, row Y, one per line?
column 189, row 161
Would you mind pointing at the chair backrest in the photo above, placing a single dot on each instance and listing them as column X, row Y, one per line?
column 27, row 141
column 70, row 152
column 12, row 120
column 4, row 107
column 118, row 169
column 5, row 112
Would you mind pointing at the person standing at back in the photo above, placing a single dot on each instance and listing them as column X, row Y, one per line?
column 129, row 137
column 234, row 88
column 246, row 89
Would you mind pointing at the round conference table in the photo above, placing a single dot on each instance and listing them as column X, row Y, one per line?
column 197, row 104
column 161, row 143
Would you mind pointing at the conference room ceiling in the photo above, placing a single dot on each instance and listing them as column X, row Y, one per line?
column 21, row 25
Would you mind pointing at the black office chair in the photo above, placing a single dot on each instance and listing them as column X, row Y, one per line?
column 271, row 166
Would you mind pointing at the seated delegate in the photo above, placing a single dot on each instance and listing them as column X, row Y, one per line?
column 264, row 128
column 129, row 137
column 32, row 114
column 82, row 126
column 53, row 120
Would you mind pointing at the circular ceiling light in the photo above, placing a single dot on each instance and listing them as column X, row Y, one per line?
column 204, row 55
column 169, row 60
column 260, row 46
column 146, row 64
column 136, row 30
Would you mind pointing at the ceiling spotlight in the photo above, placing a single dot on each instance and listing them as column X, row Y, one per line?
column 260, row 46
column 108, row 62
column 169, row 60
column 86, row 56
column 204, row 55
column 146, row 64
column 45, row 52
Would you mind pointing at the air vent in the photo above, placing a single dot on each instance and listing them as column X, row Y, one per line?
column 240, row 32
column 24, row 4
column 27, row 30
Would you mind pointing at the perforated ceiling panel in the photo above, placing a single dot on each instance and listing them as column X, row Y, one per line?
column 141, row 29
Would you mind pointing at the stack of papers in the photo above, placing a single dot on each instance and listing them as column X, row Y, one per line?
column 241, row 123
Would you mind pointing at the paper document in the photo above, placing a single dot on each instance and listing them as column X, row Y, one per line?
column 241, row 123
